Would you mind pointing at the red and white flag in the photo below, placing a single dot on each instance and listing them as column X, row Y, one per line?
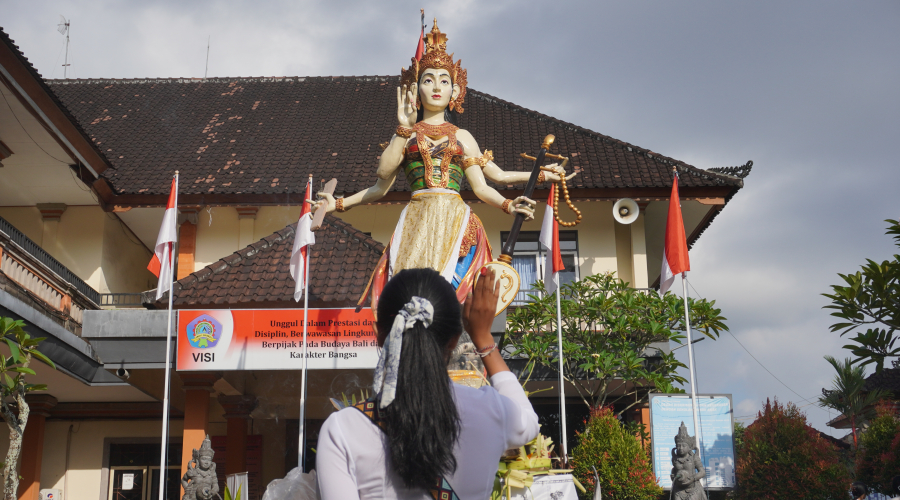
column 675, row 252
column 303, row 237
column 161, row 263
column 550, row 239
column 420, row 49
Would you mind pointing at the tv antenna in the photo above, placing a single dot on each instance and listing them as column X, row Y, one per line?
column 205, row 70
column 63, row 28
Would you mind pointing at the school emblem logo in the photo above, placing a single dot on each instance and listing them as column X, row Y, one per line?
column 204, row 332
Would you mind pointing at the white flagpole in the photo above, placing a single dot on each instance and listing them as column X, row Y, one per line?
column 687, row 319
column 562, row 386
column 301, row 445
column 165, row 416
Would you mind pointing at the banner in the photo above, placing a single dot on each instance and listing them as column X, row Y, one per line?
column 716, row 441
column 272, row 339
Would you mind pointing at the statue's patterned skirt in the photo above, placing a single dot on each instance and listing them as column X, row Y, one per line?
column 436, row 230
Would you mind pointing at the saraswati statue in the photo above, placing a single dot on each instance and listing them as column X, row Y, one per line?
column 437, row 229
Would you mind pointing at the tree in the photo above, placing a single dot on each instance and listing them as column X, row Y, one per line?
column 608, row 331
column 848, row 396
column 623, row 466
column 782, row 457
column 13, row 369
column 878, row 460
column 870, row 297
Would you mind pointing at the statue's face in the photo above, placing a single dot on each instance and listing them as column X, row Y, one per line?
column 436, row 89
column 205, row 462
column 681, row 448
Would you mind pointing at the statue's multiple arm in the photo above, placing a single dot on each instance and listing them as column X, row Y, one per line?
column 392, row 158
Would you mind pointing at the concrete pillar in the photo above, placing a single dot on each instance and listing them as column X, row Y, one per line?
column 197, row 388
column 51, row 213
column 639, row 251
column 624, row 255
column 237, row 414
column 246, row 218
column 187, row 240
column 33, row 445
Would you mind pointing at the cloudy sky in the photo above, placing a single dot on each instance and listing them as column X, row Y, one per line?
column 807, row 90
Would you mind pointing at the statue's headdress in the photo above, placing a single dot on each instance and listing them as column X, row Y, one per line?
column 684, row 438
column 205, row 450
column 436, row 57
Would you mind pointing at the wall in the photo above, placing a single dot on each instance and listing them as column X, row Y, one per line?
column 655, row 214
column 596, row 232
column 596, row 240
column 93, row 244
column 86, row 452
column 124, row 259
column 25, row 219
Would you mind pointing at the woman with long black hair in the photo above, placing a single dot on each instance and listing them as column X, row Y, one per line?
column 422, row 433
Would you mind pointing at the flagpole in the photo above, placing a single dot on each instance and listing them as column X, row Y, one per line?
column 562, row 386
column 695, row 413
column 301, row 454
column 165, row 415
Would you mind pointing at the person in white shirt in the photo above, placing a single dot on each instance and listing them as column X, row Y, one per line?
column 429, row 431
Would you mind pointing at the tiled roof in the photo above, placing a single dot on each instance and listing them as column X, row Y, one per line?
column 888, row 379
column 239, row 136
column 342, row 260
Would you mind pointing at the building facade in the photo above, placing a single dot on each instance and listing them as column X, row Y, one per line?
column 86, row 169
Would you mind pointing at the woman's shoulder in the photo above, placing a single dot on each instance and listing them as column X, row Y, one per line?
column 485, row 395
column 349, row 417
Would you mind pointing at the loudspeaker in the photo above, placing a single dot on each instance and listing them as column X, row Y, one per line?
column 626, row 211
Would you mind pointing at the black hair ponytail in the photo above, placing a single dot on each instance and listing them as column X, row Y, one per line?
column 422, row 423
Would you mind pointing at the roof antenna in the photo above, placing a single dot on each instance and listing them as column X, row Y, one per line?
column 63, row 28
column 207, row 57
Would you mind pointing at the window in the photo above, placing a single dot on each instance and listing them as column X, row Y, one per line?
column 530, row 257
column 134, row 471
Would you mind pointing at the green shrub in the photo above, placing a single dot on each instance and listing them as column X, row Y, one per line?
column 622, row 464
column 782, row 457
column 878, row 460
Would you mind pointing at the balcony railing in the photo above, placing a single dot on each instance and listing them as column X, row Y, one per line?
column 30, row 274
column 120, row 300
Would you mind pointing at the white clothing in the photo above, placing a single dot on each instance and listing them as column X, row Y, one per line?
column 351, row 458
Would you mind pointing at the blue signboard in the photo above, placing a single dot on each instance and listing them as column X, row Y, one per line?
column 716, row 440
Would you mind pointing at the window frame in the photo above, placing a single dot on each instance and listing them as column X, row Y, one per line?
column 541, row 253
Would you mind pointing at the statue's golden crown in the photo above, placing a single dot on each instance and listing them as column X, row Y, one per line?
column 436, row 57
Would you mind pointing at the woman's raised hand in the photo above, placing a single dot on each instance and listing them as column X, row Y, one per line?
column 524, row 206
column 480, row 308
column 406, row 105
column 325, row 201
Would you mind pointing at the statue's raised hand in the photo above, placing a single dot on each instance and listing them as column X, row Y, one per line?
column 406, row 105
column 553, row 172
column 325, row 201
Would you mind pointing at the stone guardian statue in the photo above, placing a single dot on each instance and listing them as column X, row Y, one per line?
column 687, row 468
column 200, row 481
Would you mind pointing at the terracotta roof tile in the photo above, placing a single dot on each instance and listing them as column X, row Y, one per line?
column 266, row 135
column 257, row 273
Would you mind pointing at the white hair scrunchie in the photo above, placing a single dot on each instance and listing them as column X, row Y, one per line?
column 417, row 309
